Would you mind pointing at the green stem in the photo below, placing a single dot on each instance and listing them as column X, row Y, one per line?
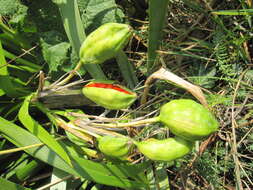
column 130, row 124
column 95, row 131
column 71, row 75
column 92, row 133
column 74, row 29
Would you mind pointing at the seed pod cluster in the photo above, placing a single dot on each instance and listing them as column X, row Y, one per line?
column 104, row 43
column 109, row 95
column 186, row 119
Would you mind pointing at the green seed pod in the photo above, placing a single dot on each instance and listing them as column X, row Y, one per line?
column 188, row 119
column 164, row 150
column 105, row 42
column 78, row 141
column 115, row 147
column 109, row 95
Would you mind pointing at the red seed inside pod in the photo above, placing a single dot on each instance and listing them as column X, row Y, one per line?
column 111, row 86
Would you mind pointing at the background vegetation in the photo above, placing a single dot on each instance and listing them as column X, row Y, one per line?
column 207, row 42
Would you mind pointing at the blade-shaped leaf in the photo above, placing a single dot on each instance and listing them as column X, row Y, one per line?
column 6, row 85
column 119, row 178
column 33, row 67
column 39, row 131
column 5, row 184
column 21, row 137
column 156, row 23
column 127, row 70
column 118, row 170
column 234, row 12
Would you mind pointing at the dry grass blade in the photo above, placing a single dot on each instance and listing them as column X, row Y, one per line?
column 65, row 126
column 26, row 147
column 168, row 76
column 56, row 182
column 234, row 143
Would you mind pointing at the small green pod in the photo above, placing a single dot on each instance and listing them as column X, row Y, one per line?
column 109, row 95
column 105, row 42
column 115, row 147
column 164, row 150
column 188, row 119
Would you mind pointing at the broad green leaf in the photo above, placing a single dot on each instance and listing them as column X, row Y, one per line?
column 156, row 23
column 5, row 184
column 55, row 51
column 35, row 128
column 234, row 12
column 97, row 12
column 19, row 16
column 74, row 29
column 82, row 168
column 8, row 7
column 56, row 55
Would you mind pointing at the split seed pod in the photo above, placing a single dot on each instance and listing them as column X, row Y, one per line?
column 105, row 42
column 109, row 95
column 188, row 119
column 115, row 147
column 164, row 150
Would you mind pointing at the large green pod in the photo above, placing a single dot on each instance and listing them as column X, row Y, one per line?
column 115, row 147
column 105, row 42
column 109, row 95
column 188, row 119
column 164, row 150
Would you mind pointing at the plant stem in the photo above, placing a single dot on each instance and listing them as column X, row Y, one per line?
column 130, row 124
column 68, row 127
column 71, row 74
column 26, row 147
column 96, row 132
column 61, row 123
column 84, row 130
